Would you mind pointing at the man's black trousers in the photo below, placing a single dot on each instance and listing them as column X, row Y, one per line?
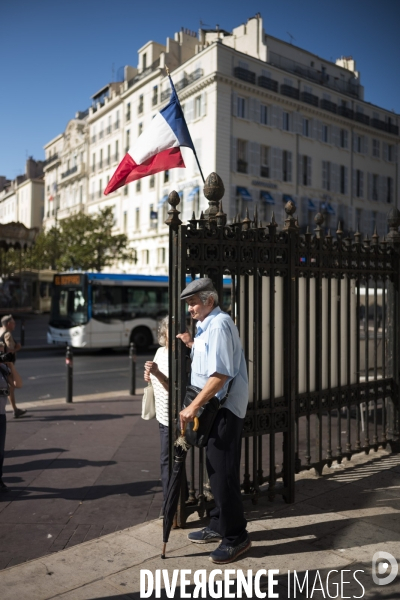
column 223, row 467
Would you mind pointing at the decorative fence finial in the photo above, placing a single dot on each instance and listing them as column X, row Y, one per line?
column 290, row 221
column 214, row 191
column 173, row 219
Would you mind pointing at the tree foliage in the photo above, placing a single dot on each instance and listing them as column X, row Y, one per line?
column 80, row 242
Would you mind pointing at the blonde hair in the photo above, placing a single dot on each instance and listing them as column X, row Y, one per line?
column 163, row 331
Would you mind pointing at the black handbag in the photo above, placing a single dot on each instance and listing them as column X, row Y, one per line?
column 206, row 416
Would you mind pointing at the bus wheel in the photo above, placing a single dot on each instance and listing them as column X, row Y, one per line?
column 142, row 338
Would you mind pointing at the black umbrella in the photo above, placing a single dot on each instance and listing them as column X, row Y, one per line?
column 174, row 487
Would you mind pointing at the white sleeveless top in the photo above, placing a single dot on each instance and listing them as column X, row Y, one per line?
column 160, row 393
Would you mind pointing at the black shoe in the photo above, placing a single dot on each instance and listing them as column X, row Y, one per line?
column 203, row 536
column 3, row 488
column 19, row 412
column 227, row 554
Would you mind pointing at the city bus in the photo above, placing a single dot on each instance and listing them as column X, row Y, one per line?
column 103, row 310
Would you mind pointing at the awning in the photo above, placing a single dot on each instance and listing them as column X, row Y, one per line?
column 244, row 193
column 311, row 206
column 266, row 197
column 325, row 206
column 193, row 193
column 287, row 198
column 153, row 215
column 162, row 201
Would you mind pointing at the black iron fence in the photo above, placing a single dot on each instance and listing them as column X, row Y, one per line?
column 317, row 316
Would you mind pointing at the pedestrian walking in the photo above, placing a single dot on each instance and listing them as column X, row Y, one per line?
column 156, row 371
column 9, row 379
column 10, row 345
column 218, row 364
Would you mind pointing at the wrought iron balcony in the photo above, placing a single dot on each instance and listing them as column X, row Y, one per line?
column 378, row 124
column 51, row 159
column 268, row 83
column 328, row 105
column 309, row 98
column 244, row 74
column 361, row 118
column 393, row 129
column 289, row 90
column 344, row 111
column 69, row 172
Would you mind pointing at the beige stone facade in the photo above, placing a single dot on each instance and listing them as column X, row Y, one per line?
column 22, row 199
column 273, row 120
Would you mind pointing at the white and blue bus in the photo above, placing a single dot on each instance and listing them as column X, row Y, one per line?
column 103, row 310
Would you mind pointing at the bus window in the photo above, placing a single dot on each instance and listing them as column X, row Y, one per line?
column 146, row 302
column 107, row 302
column 68, row 307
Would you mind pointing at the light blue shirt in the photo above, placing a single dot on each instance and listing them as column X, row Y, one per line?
column 217, row 349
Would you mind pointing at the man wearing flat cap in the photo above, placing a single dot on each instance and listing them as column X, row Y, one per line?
column 218, row 364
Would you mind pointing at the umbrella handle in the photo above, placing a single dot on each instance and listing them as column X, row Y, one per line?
column 195, row 426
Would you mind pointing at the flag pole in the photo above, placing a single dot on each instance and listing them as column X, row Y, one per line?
column 194, row 151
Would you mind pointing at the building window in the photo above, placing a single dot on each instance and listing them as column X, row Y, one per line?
column 285, row 121
column 145, row 257
column 138, row 185
column 116, row 151
column 166, row 176
column 100, row 189
column 264, row 162
column 325, row 134
column 128, row 111
column 306, row 127
column 128, row 140
column 376, row 148
column 125, row 221
column 197, row 107
column 140, row 129
column 140, row 105
column 101, row 159
column 263, row 114
column 152, row 181
column 93, row 162
column 343, row 179
column 108, row 155
column 306, row 170
column 390, row 152
column 125, row 190
column 137, row 219
column 375, row 184
column 154, row 100
column 242, row 156
column 343, row 138
column 241, row 107
column 286, row 165
column 161, row 256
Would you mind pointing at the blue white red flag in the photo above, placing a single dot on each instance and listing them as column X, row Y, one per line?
column 157, row 148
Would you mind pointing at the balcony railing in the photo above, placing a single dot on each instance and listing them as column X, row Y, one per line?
column 154, row 100
column 69, row 172
column 116, row 157
column 378, row 124
column 328, row 105
column 108, row 130
column 101, row 134
column 182, row 83
column 244, row 74
column 393, row 129
column 309, row 98
column 268, row 83
column 361, row 118
column 128, row 116
column 165, row 95
column 100, row 165
column 289, row 90
column 344, row 111
column 51, row 159
column 144, row 73
column 116, row 125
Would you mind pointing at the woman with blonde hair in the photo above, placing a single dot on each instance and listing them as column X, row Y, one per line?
column 156, row 371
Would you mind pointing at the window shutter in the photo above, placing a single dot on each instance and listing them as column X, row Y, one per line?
column 309, row 170
column 276, row 163
column 255, row 159
column 276, row 114
column 385, row 151
column 346, row 180
column 234, row 104
column 297, row 123
column 256, row 110
column 233, row 154
column 203, row 104
column 335, row 178
column 369, row 186
column 299, row 169
column 361, row 184
column 314, row 129
column 324, row 175
column 189, row 111
column 353, row 183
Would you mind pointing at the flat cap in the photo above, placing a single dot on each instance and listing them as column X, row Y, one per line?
column 204, row 284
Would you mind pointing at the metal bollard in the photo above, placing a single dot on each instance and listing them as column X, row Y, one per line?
column 69, row 361
column 132, row 363
column 22, row 332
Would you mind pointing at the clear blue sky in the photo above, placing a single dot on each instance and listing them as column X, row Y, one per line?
column 55, row 54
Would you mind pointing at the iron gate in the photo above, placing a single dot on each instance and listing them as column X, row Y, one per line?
column 317, row 317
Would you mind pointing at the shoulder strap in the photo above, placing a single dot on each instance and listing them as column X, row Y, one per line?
column 227, row 393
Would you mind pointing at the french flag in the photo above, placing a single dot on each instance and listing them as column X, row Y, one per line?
column 157, row 148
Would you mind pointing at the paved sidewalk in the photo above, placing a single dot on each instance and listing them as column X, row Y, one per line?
column 336, row 525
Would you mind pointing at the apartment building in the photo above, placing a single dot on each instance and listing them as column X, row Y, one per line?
column 22, row 199
column 273, row 120
column 66, row 172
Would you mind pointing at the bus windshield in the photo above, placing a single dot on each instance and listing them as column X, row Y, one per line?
column 68, row 307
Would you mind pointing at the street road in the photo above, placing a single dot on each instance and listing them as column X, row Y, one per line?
column 44, row 373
